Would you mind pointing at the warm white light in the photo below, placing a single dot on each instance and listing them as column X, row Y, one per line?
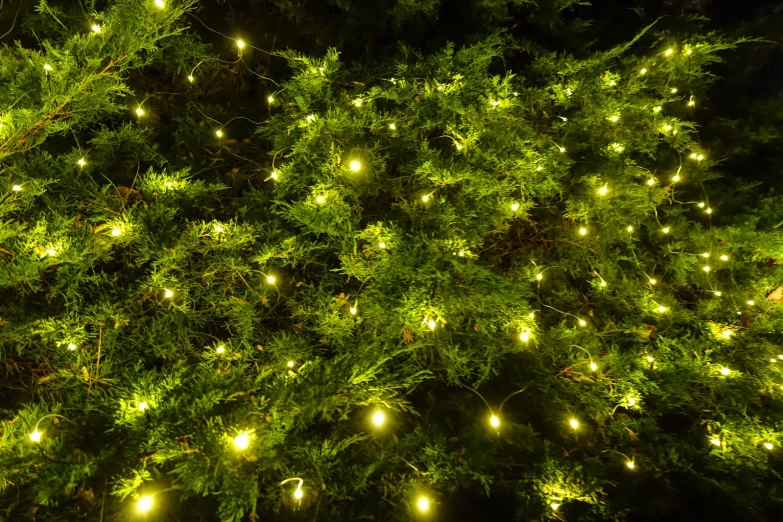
column 524, row 336
column 47, row 67
column 539, row 276
column 651, row 182
column 562, row 149
column 715, row 441
column 116, row 232
column 271, row 279
column 751, row 302
column 705, row 254
column 81, row 162
column 270, row 98
column 357, row 103
column 657, row 108
column 143, row 406
column 159, row 4
column 432, row 324
column 298, row 493
column 494, row 421
column 425, row 198
column 708, row 211
column 724, row 371
column 768, row 446
column 674, row 90
column 310, row 117
column 630, row 464
column 726, row 334
column 669, row 52
column 168, row 293
column 691, row 103
column 665, row 230
column 381, row 245
column 96, row 28
column 718, row 293
column 631, row 401
column 593, row 366
column 219, row 133
column 603, row 190
column 423, row 503
column 458, row 145
column 16, row 188
column 688, row 51
column 242, row 441
column 51, row 252
column 392, row 126
column 554, row 506
column 379, row 418
column 190, row 78
column 582, row 231
column 274, row 174
column 650, row 358
column 290, row 364
column 240, row 44
column 220, row 349
column 139, row 111
column 582, row 322
column 36, row 435
column 653, row 281
column 630, row 228
column 355, row 166
column 700, row 157
column 667, row 127
column 676, row 177
column 515, row 207
column 573, row 423
column 661, row 309
column 71, row 346
column 724, row 257
column 144, row 504
column 643, row 71
column 614, row 118
column 706, row 268
column 353, row 310
column 320, row 199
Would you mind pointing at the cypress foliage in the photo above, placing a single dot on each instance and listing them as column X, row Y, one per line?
column 428, row 260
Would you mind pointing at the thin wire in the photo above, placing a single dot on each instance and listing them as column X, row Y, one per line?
column 259, row 75
column 229, row 38
column 207, row 117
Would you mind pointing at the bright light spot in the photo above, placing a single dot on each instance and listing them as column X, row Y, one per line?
column 700, row 157
column 705, row 254
column 562, row 149
column 219, row 133
column 116, row 232
column 298, row 493
column 701, row 204
column 706, row 268
column 724, row 371
column 144, row 504
column 220, row 349
column 643, row 71
column 593, row 366
column 539, row 169
column 718, row 293
column 582, row 231
column 425, row 198
column 573, row 423
column 379, row 418
column 708, row 211
column 36, row 435
column 494, row 421
column 71, row 346
column 271, row 279
column 650, row 358
column 16, row 188
column 715, row 441
column 81, row 162
column 96, row 28
column 582, row 322
column 630, row 228
column 768, row 446
column 653, row 281
column 669, row 52
column 355, row 166
column 290, row 364
column 514, row 207
column 667, row 127
column 320, row 199
column 47, row 67
column 459, row 146
column 357, row 103
column 524, row 336
column 674, row 90
column 603, row 283
column 688, row 51
column 241, row 44
column 603, row 190
column 554, row 506
column 726, row 334
column 651, row 182
column 51, row 252
column 270, row 98
column 190, row 78
column 662, row 309
column 691, row 103
column 631, row 401
column 310, row 117
column 657, row 108
column 143, row 406
column 139, row 111
column 274, row 174
column 242, row 441
column 539, row 276
column 724, row 257
column 665, row 230
column 630, row 464
column 615, row 118
column 676, row 177
column 432, row 324
column 751, row 302
column 168, row 293
column 381, row 245
column 423, row 503
column 392, row 126
column 353, row 310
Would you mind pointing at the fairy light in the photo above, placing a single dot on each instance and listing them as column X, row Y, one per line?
column 221, row 349
column 650, row 359
column 561, row 149
column 378, row 418
column 271, row 279
column 669, row 52
column 573, row 423
column 726, row 334
column 310, row 117
column 96, row 28
column 667, row 127
column 524, row 336
column 514, row 207
column 290, row 364
column 116, row 232
column 320, row 199
column 139, row 111
column 168, row 294
column 724, row 257
column 240, row 44
column 653, row 281
column 661, row 309
column 718, row 293
column 357, row 103
column 219, row 133
column 423, row 504
column 676, row 178
column 593, row 366
column 582, row 322
column 725, row 371
column 298, row 493
column 630, row 464
column 381, row 245
column 674, row 90
column 47, row 67
column 71, row 346
column 614, row 119
column 425, row 198
column 630, row 228
column 242, row 441
column 657, row 109
column 494, row 421
column 432, row 324
column 751, row 302
column 631, row 401
column 554, row 506
column 643, row 71
column 274, row 175
column 768, row 446
column 51, row 252
column 539, row 276
column 16, row 188
column 191, row 79
column 705, row 254
column 708, row 211
column 603, row 190
column 144, row 504
column 665, row 230
column 715, row 441
column 458, row 146
column 355, row 165
column 706, row 268
column 582, row 231
column 143, row 406
column 81, row 162
column 691, row 103
column 270, row 99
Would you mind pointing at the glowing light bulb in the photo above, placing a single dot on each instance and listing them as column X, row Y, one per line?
column 630, row 228
column 432, row 324
column 676, row 177
column 47, row 67
column 379, row 418
column 353, row 310
column 718, row 293
column 667, row 127
column 494, row 421
column 191, row 79
column 116, row 232
column 726, row 334
column 539, row 169
column 514, row 207
column 298, row 493
column 35, row 435
column 724, row 257
column 144, row 504
column 539, row 276
column 51, row 252
column 653, row 281
column 524, row 336
column 219, row 133
column 561, row 149
column 662, row 309
column 630, row 464
column 139, row 111
column 392, row 126
column 674, row 90
column 274, row 175
column 593, row 366
column 143, row 406
column 96, row 28
column 168, row 293
column 81, row 162
column 701, row 204
column 643, row 71
column 706, row 268
column 459, row 146
column 71, row 346
column 357, row 103
column 708, row 211
column 603, row 190
column 705, row 254
column 768, row 446
column 310, row 117
column 271, row 279
column 665, row 230
column 423, row 504
column 603, row 283
column 615, row 118
column 381, row 245
column 688, row 51
column 220, row 349
column 631, row 401
column 320, row 199
column 355, row 166
column 425, row 198
column 582, row 322
column 554, row 506
column 724, row 371
column 573, row 423
column 290, row 364
column 651, row 182
column 270, row 98
column 669, row 52
column 16, row 188
column 650, row 358
column 242, row 441
column 700, row 157
column 582, row 231
column 751, row 302
column 715, row 441
column 241, row 44
column 691, row 103
column 657, row 108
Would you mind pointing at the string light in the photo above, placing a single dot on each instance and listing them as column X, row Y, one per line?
column 47, row 67
column 650, row 359
column 219, row 133
column 539, row 276
column 643, row 71
column 657, row 108
column 320, row 199
column 615, row 118
column 554, row 506
column 691, row 103
column 630, row 228
column 298, row 493
column 561, row 149
column 425, row 198
column 674, row 90
column 708, row 211
column 355, row 165
column 144, row 504
column 593, row 366
column 16, row 188
column 81, row 162
column 706, row 268
column 751, row 302
column 96, row 28
column 688, row 51
column 357, row 103
column 310, row 117
column 143, row 406
column 271, row 279
column 139, row 111
column 653, row 281
column 353, row 310
column 381, row 245
column 290, row 364
column 715, row 441
column 168, row 293
column 458, row 146
column 665, row 230
column 726, row 334
column 116, row 232
column 661, row 309
column 423, row 504
column 582, row 322
column 724, row 257
column 220, row 349
column 631, row 401
column 667, row 127
column 724, row 371
column 270, row 98
column 494, row 421
column 651, row 182
column 574, row 424
column 582, row 231
column 51, row 252
column 241, row 44
column 190, row 78
column 705, row 254
column 432, row 324
column 242, row 441
column 379, row 418
column 159, row 4
column 274, row 175
column 669, row 52
column 603, row 190
column 768, row 446
column 514, row 207
column 524, row 336
column 630, row 464
column 676, row 178
column 35, row 435
column 718, row 293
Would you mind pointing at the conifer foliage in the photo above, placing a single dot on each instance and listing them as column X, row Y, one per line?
column 469, row 280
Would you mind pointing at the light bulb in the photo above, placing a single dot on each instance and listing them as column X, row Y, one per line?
column 381, row 245
column 715, row 441
column 768, row 446
column 47, row 67
column 573, row 423
column 531, row 315
column 220, row 349
column 16, row 188
column 71, row 346
column 651, row 182
column 539, row 276
column 708, row 211
column 676, row 177
column 657, row 108
column 631, row 401
column 665, row 230
column 705, row 254
column 355, row 166
column 593, row 366
column 320, row 199
column 392, row 126
column 524, row 336
column 191, row 79
column 603, row 190
column 614, row 118
column 700, row 157
column 425, row 198
column 144, row 504
column 168, row 293
column 701, row 204
column 653, row 281
column 674, row 90
column 661, row 309
column 432, row 324
column 751, row 302
column 724, row 257
column 539, row 169
column 242, row 441
column 515, row 207
column 667, row 127
column 270, row 98
column 357, row 103
column 96, row 28
column 582, row 322
column 81, row 162
column 241, row 44
column 650, row 358
column 116, row 232
column 669, row 52
column 219, row 133
column 691, row 103
column 688, row 51
column 423, row 503
column 706, row 268
column 561, row 149
column 603, row 283
column 718, row 293
column 310, row 117
column 726, row 334
column 582, row 231
column 724, row 371
column 630, row 464
column 494, row 421
column 353, row 310
column 643, row 71
column 139, row 111
column 298, row 493
column 379, row 418
column 160, row 4
column 554, row 506
column 630, row 228
column 271, row 279
column 51, row 252
column 169, row 184
column 459, row 146
column 274, row 174
column 35, row 435
column 143, row 406
column 290, row 364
